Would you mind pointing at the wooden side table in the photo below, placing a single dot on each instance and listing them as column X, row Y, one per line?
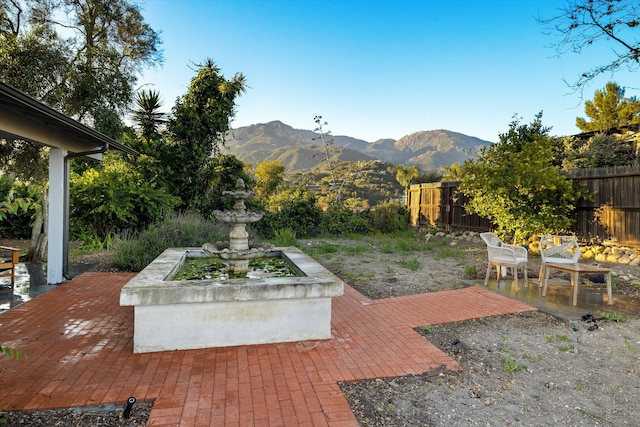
column 575, row 269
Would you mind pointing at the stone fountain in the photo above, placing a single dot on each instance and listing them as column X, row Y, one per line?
column 237, row 251
column 188, row 314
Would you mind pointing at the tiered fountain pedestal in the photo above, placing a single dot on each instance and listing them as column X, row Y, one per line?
column 181, row 315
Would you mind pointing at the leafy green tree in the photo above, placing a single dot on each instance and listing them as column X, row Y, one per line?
column 406, row 174
column 28, row 163
column 110, row 43
column 292, row 208
column 197, row 128
column 35, row 61
column 583, row 23
column 115, row 196
column 609, row 109
column 221, row 173
column 601, row 150
column 340, row 219
column 79, row 56
column 16, row 208
column 451, row 173
column 431, row 176
column 514, row 184
column 269, row 177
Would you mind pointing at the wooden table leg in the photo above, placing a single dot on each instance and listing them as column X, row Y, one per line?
column 575, row 281
column 609, row 294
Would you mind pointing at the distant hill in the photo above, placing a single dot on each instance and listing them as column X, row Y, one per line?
column 301, row 149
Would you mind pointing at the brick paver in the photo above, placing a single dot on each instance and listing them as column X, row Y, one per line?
column 79, row 343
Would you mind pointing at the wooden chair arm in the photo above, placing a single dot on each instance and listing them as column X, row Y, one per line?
column 15, row 253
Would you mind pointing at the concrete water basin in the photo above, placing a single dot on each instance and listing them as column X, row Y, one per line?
column 180, row 315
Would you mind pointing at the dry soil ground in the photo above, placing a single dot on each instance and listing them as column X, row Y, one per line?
column 520, row 370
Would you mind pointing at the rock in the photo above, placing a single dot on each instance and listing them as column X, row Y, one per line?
column 617, row 252
column 624, row 259
column 588, row 254
column 601, row 257
column 612, row 258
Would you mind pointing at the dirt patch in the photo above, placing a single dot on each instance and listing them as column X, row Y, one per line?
column 107, row 416
column 519, row 370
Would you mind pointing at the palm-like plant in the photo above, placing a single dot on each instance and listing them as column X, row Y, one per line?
column 147, row 114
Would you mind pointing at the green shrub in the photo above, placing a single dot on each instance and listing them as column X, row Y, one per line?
column 294, row 209
column 91, row 242
column 285, row 237
column 135, row 252
column 115, row 196
column 17, row 225
column 389, row 217
column 338, row 219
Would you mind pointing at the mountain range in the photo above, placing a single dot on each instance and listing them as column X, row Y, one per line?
column 303, row 149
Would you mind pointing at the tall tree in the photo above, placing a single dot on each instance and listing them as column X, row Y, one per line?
column 197, row 128
column 110, row 44
column 269, row 177
column 583, row 23
column 514, row 183
column 406, row 174
column 599, row 151
column 609, row 109
column 79, row 56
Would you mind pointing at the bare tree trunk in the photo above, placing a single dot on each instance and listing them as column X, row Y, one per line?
column 39, row 230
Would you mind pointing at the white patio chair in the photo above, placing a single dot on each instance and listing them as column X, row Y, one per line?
column 503, row 255
column 558, row 250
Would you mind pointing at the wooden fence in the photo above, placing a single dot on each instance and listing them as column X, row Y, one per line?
column 438, row 204
column 613, row 214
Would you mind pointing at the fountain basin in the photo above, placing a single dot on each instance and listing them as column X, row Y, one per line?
column 181, row 315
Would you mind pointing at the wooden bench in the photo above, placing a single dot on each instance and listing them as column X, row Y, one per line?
column 8, row 265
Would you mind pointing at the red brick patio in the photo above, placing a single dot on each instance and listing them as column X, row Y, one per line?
column 79, row 344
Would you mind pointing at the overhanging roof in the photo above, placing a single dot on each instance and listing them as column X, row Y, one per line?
column 23, row 117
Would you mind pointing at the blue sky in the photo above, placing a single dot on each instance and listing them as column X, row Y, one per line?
column 380, row 68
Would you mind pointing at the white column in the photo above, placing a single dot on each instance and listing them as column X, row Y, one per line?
column 57, row 185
